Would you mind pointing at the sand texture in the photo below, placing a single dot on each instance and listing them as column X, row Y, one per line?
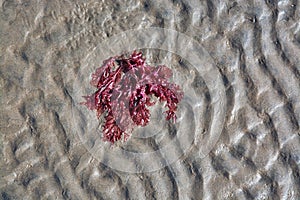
column 237, row 133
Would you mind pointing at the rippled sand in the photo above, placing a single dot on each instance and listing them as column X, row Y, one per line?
column 237, row 135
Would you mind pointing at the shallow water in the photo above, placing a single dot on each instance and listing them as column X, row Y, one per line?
column 237, row 134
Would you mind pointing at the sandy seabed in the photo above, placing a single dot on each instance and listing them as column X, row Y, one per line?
column 237, row 135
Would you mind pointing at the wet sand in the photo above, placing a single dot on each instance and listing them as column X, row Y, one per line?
column 237, row 135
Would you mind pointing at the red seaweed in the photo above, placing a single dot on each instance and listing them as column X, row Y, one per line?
column 123, row 95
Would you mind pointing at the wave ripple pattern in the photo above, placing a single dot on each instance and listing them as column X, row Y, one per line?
column 237, row 135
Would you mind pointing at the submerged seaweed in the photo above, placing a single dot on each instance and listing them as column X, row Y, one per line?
column 124, row 94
